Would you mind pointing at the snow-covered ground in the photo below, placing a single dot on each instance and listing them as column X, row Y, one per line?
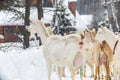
column 19, row 64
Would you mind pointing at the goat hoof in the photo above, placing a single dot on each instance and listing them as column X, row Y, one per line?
column 84, row 75
column 95, row 78
column 92, row 76
column 108, row 78
column 77, row 73
column 63, row 75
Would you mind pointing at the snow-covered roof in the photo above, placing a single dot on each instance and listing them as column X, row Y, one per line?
column 83, row 21
column 72, row 0
column 8, row 18
column 1, row 37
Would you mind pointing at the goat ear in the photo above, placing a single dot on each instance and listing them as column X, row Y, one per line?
column 86, row 30
column 94, row 32
column 32, row 20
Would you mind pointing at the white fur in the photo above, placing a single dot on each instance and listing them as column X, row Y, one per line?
column 88, row 49
column 111, row 38
column 58, row 50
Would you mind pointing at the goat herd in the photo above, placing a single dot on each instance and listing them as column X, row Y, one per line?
column 76, row 50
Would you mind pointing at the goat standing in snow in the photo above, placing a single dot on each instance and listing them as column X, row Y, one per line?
column 88, row 43
column 59, row 50
column 97, row 53
column 105, row 34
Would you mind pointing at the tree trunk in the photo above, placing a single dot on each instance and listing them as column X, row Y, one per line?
column 114, row 12
column 27, row 12
column 27, row 22
column 117, row 6
column 39, row 8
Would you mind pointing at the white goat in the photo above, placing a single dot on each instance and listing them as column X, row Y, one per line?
column 59, row 50
column 88, row 47
column 97, row 54
column 113, row 41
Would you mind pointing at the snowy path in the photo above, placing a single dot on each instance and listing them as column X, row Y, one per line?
column 19, row 64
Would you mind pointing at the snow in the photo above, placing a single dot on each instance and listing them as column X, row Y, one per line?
column 7, row 18
column 19, row 64
column 83, row 21
column 1, row 37
column 72, row 0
